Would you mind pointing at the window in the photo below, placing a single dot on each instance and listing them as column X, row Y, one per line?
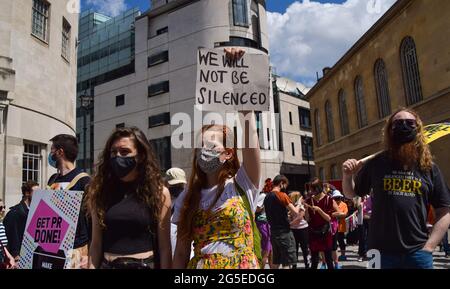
column 329, row 119
column 162, row 150
column 120, row 125
column 158, row 88
column 411, row 75
column 162, row 30
column 305, row 117
column 321, row 174
column 31, row 169
column 334, row 172
column 158, row 58
column 343, row 112
column 120, row 100
column 307, row 147
column 240, row 41
column 293, row 149
column 65, row 49
column 381, row 84
column 240, row 13
column 317, row 121
column 360, row 103
column 290, row 118
column 41, row 13
column 158, row 120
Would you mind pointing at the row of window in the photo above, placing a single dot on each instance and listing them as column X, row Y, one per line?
column 334, row 174
column 412, row 86
column 304, row 118
column 40, row 27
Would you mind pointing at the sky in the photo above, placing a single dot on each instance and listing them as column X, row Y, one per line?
column 304, row 35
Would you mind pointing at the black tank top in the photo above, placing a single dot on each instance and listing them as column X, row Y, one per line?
column 128, row 223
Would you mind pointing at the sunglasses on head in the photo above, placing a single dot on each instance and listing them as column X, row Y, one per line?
column 407, row 121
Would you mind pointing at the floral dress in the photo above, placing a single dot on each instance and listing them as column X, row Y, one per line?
column 223, row 237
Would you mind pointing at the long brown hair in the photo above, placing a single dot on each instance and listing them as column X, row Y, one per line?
column 424, row 157
column 149, row 181
column 198, row 180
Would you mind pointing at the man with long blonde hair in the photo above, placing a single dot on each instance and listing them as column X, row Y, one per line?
column 405, row 182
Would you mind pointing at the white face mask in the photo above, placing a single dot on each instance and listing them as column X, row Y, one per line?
column 209, row 160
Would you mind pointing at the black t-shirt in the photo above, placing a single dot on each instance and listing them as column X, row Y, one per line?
column 129, row 227
column 59, row 182
column 275, row 205
column 399, row 204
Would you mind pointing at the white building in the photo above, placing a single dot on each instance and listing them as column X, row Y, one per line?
column 167, row 39
column 37, row 88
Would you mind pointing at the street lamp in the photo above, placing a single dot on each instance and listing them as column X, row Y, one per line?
column 86, row 105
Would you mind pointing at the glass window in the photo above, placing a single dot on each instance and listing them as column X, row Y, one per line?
column 158, row 58
column 334, row 172
column 158, row 88
column 120, row 100
column 343, row 112
column 305, row 117
column 65, row 49
column 158, row 120
column 40, row 23
column 382, row 88
column 240, row 13
column 360, row 102
column 329, row 119
column 317, row 123
column 411, row 75
column 307, row 147
column 31, row 169
column 293, row 149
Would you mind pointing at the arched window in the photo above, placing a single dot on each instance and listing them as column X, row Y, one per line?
column 360, row 102
column 317, row 123
column 411, row 75
column 382, row 87
column 329, row 118
column 343, row 112
column 334, row 172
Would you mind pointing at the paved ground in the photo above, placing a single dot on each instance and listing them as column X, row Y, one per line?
column 440, row 262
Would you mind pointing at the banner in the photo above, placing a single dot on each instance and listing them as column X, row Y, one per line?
column 435, row 131
column 225, row 85
column 50, row 230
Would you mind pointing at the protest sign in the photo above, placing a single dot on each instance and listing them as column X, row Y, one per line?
column 226, row 85
column 50, row 230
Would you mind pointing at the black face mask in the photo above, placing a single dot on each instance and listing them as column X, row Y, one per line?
column 175, row 191
column 122, row 166
column 403, row 132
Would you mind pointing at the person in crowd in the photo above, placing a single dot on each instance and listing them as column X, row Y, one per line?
column 176, row 183
column 364, row 205
column 339, row 237
column 16, row 219
column 404, row 181
column 263, row 224
column 320, row 208
column 278, row 204
column 445, row 245
column 129, row 206
column 216, row 211
column 6, row 259
column 62, row 157
column 299, row 228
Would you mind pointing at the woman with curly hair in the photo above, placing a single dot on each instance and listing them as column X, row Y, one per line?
column 129, row 206
column 405, row 181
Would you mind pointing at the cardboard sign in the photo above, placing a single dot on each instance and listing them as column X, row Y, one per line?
column 225, row 85
column 50, row 230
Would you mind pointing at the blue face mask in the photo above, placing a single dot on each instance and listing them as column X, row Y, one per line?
column 51, row 160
